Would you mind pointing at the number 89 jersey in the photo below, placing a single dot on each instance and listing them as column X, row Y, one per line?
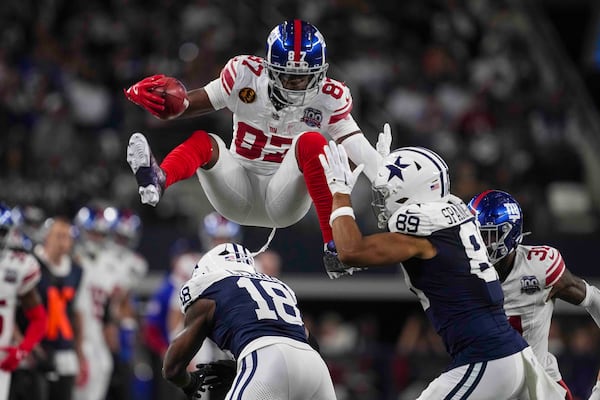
column 458, row 288
column 263, row 134
column 248, row 306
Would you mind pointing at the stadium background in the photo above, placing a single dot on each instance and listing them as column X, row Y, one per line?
column 506, row 91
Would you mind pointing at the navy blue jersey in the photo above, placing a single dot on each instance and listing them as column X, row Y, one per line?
column 58, row 295
column 248, row 306
column 459, row 289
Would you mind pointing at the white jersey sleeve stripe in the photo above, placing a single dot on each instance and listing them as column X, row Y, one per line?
column 228, row 76
column 30, row 281
column 555, row 271
column 341, row 112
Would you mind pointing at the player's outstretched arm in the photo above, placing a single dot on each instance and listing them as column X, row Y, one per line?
column 166, row 98
column 575, row 290
column 36, row 330
column 352, row 247
column 198, row 319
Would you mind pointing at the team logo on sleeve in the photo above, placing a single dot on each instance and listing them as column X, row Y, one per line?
column 529, row 284
column 312, row 117
column 247, row 95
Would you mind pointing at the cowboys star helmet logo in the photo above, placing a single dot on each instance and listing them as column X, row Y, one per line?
column 396, row 169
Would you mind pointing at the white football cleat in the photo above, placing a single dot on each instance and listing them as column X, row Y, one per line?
column 148, row 174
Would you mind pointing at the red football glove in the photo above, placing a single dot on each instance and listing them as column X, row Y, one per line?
column 141, row 94
column 14, row 356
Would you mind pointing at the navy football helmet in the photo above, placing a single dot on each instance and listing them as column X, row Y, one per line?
column 6, row 224
column 500, row 222
column 295, row 52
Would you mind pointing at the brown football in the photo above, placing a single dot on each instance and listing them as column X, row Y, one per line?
column 176, row 99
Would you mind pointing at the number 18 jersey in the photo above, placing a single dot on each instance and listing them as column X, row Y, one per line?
column 458, row 288
column 249, row 306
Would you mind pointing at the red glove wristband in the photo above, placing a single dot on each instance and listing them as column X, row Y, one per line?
column 36, row 329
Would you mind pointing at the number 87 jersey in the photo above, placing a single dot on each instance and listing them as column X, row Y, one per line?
column 262, row 132
column 248, row 306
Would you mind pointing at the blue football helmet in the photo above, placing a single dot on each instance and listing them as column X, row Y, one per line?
column 6, row 224
column 128, row 228
column 97, row 220
column 295, row 50
column 215, row 229
column 500, row 222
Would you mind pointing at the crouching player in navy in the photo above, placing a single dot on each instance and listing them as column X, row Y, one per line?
column 254, row 317
column 445, row 263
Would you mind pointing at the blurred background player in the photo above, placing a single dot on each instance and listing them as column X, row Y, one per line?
column 162, row 318
column 62, row 361
column 101, row 276
column 532, row 276
column 29, row 227
column 133, row 268
column 268, row 262
column 282, row 106
column 256, row 319
column 19, row 274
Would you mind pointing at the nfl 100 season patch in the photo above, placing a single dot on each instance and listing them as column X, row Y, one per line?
column 530, row 284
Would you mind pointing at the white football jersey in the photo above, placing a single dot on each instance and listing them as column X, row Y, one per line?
column 132, row 267
column 536, row 269
column 100, row 277
column 19, row 273
column 262, row 134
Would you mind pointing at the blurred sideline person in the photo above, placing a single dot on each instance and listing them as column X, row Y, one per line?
column 163, row 315
column 63, row 362
column 268, row 262
column 532, row 276
column 254, row 317
column 101, row 276
column 282, row 107
column 122, row 335
column 20, row 272
column 435, row 238
column 29, row 228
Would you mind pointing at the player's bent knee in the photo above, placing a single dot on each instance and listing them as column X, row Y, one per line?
column 309, row 145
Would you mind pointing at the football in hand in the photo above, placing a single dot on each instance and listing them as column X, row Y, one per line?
column 176, row 99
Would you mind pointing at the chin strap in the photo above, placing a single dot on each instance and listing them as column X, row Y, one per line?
column 591, row 302
column 266, row 245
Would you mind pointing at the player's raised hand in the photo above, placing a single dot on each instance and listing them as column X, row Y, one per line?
column 142, row 93
column 340, row 177
column 384, row 142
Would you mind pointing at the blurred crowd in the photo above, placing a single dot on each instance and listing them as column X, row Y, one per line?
column 468, row 78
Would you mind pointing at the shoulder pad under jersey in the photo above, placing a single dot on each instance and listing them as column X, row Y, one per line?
column 423, row 219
